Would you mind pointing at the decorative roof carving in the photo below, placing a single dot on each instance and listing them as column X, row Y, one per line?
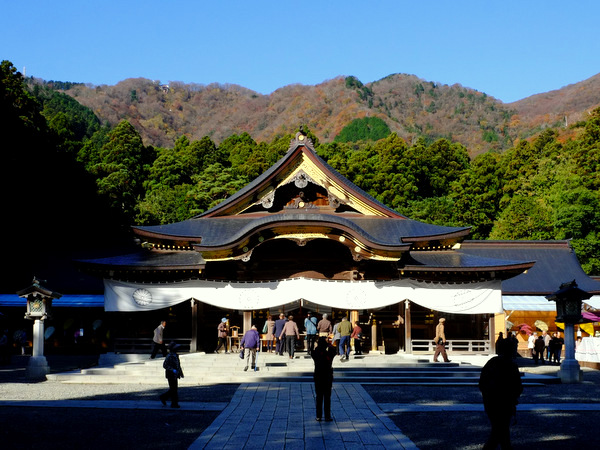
column 267, row 200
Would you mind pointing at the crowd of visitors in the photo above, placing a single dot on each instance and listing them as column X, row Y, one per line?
column 542, row 348
column 282, row 335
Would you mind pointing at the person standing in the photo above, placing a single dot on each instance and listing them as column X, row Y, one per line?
column 310, row 325
column 291, row 333
column 499, row 342
column 335, row 341
column 158, row 340
column 324, row 327
column 547, row 339
column 539, row 348
column 558, row 345
column 323, row 356
column 279, row 324
column 440, row 341
column 173, row 372
column 222, row 335
column 270, row 333
column 514, row 344
column 357, row 335
column 345, row 330
column 531, row 344
column 500, row 386
column 250, row 343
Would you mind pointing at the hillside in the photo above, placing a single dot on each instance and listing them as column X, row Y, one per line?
column 412, row 107
column 558, row 108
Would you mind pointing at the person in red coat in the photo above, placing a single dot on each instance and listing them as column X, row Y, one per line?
column 357, row 336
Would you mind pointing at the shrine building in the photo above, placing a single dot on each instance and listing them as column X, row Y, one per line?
column 301, row 238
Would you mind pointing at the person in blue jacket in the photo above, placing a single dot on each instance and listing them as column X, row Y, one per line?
column 310, row 325
column 250, row 343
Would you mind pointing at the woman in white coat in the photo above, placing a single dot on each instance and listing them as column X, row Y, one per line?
column 531, row 343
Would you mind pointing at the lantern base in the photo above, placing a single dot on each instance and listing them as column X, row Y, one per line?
column 37, row 369
column 570, row 372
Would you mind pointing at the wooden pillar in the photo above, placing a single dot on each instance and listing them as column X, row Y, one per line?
column 407, row 326
column 247, row 321
column 492, row 334
column 374, row 335
column 353, row 317
column 401, row 344
column 194, row 342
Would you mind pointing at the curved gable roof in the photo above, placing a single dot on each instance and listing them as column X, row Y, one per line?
column 299, row 156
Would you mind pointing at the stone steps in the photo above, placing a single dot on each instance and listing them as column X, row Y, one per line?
column 213, row 369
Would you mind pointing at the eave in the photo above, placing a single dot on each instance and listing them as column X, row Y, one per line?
column 235, row 237
column 454, row 266
column 146, row 261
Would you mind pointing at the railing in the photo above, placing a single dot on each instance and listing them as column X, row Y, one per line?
column 456, row 345
column 145, row 345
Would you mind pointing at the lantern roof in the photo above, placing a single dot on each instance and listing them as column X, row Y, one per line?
column 569, row 291
column 37, row 288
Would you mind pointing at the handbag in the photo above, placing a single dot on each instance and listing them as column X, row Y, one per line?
column 265, row 328
column 242, row 354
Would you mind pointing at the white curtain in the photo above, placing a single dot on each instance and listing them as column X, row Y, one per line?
column 470, row 298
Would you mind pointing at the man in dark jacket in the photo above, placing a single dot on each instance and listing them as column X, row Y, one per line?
column 323, row 356
column 173, row 372
column 556, row 345
column 279, row 324
column 500, row 385
column 539, row 346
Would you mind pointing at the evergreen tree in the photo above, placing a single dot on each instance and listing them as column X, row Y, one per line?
column 124, row 163
column 365, row 129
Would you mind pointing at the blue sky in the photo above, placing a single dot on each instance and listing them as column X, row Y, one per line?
column 507, row 49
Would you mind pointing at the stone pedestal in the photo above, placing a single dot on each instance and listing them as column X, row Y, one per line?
column 38, row 366
column 37, row 369
column 570, row 372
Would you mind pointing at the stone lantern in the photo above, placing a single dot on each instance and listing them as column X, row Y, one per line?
column 39, row 307
column 568, row 300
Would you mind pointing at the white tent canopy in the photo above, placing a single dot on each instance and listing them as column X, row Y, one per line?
column 470, row 298
column 539, row 303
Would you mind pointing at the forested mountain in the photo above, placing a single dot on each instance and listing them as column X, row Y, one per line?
column 411, row 107
column 74, row 179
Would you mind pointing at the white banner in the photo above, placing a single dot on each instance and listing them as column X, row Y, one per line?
column 471, row 298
